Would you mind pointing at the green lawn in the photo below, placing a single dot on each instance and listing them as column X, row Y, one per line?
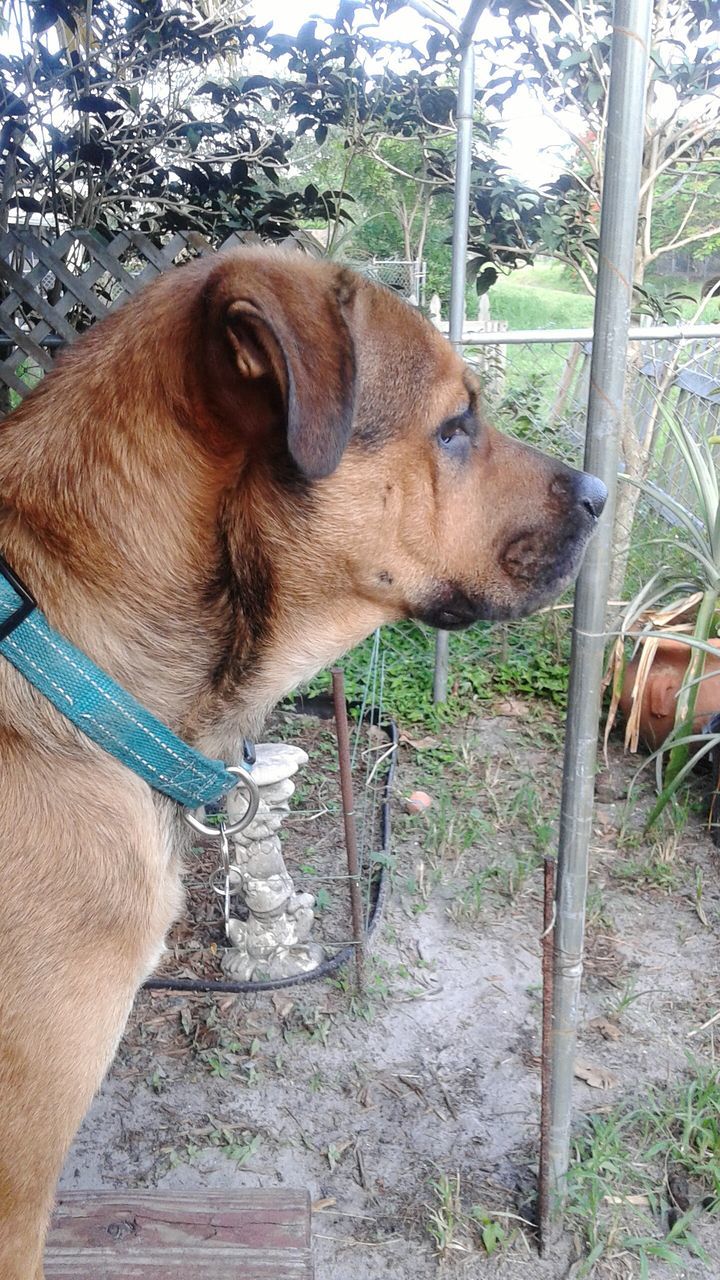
column 548, row 296
column 542, row 297
column 522, row 398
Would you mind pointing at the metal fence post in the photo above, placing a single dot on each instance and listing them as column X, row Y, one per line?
column 623, row 157
column 461, row 218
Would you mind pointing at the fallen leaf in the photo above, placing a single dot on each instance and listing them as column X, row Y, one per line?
column 419, row 744
column 608, row 1030
column 328, row 1203
column 511, row 707
column 595, row 1077
column 282, row 1004
column 642, row 1200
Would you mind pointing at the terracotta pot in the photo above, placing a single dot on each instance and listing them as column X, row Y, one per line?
column 657, row 714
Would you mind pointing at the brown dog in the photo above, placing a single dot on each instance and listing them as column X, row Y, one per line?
column 217, row 491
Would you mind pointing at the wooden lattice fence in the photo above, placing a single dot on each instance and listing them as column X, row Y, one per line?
column 50, row 291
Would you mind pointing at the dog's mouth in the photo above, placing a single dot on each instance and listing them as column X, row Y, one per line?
column 534, row 568
column 452, row 609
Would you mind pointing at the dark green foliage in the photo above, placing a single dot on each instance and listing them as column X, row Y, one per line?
column 123, row 125
column 528, row 658
column 138, row 114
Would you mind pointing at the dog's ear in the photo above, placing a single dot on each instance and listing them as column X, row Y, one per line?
column 292, row 326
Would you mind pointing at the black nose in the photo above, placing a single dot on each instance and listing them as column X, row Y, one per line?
column 591, row 494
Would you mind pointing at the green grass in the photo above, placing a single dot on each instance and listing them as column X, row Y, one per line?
column 540, row 298
column 655, row 543
column 522, row 399
column 457, row 1232
column 528, row 658
column 640, row 1149
column 547, row 296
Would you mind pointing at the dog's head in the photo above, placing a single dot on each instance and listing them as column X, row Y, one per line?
column 369, row 429
column 317, row 462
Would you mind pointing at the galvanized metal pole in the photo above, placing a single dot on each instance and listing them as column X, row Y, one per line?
column 618, row 230
column 461, row 217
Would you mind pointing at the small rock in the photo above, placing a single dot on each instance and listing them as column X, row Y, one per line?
column 418, row 802
column 609, row 787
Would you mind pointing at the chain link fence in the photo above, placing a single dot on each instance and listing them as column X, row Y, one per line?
column 403, row 275
column 536, row 388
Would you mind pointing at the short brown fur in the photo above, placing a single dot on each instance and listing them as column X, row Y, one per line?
column 222, row 487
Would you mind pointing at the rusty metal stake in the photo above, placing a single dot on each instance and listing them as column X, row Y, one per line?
column 348, row 803
column 544, row 1201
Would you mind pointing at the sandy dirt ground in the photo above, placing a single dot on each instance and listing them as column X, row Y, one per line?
column 385, row 1104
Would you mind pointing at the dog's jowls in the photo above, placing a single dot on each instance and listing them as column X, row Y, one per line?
column 226, row 484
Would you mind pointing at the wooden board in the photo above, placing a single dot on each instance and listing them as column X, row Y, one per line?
column 208, row 1235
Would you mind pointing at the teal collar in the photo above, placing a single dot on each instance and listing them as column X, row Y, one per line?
column 102, row 709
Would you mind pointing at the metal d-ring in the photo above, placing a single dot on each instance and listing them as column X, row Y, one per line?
column 253, row 799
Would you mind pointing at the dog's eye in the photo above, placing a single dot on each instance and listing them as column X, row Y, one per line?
column 453, row 435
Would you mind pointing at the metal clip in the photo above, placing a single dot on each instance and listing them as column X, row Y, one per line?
column 252, row 796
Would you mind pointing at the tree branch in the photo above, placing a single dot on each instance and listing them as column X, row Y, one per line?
column 707, row 234
column 708, row 127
